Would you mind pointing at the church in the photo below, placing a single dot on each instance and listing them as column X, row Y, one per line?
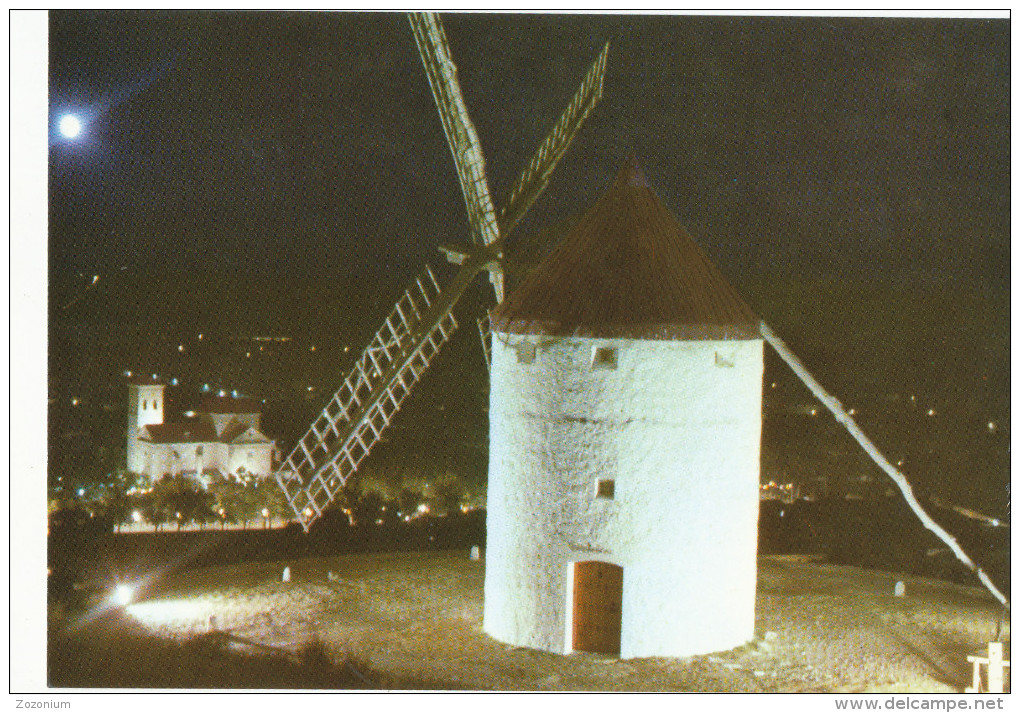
column 223, row 436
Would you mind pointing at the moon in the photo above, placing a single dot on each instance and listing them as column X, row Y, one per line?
column 70, row 126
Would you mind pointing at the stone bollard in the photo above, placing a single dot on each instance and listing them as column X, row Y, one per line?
column 286, row 575
column 476, row 553
column 900, row 590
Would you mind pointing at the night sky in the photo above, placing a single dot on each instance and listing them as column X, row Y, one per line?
column 307, row 144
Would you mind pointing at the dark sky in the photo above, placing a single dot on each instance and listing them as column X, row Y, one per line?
column 307, row 144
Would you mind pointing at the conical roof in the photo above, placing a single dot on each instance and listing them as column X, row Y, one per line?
column 627, row 269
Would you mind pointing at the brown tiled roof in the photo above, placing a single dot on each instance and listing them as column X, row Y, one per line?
column 627, row 269
column 191, row 432
column 202, row 431
column 236, row 430
column 226, row 404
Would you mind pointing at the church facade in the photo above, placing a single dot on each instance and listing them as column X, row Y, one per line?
column 224, row 436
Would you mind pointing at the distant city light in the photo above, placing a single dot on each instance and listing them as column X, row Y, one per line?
column 931, row 412
column 173, row 381
column 265, row 512
column 75, row 401
column 234, row 393
column 222, row 393
column 313, row 348
column 81, row 492
column 199, row 336
column 852, row 411
column 127, row 373
column 346, row 349
column 248, row 355
column 180, row 347
column 992, row 426
column 136, row 516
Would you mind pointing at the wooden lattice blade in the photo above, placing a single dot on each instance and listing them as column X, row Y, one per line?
column 535, row 176
column 333, row 448
column 460, row 132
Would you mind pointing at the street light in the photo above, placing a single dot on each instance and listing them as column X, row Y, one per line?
column 122, row 594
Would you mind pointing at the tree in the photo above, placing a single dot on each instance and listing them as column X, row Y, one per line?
column 118, row 504
column 226, row 495
column 153, row 504
column 447, row 493
column 247, row 503
column 273, row 500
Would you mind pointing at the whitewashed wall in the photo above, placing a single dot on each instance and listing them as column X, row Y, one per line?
column 145, row 407
column 255, row 458
column 677, row 425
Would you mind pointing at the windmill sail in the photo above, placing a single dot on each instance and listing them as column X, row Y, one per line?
column 372, row 392
column 422, row 320
column 460, row 132
column 535, row 177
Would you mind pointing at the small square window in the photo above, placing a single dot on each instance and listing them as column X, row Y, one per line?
column 525, row 352
column 603, row 358
column 605, row 489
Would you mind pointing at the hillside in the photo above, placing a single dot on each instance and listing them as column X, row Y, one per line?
column 416, row 617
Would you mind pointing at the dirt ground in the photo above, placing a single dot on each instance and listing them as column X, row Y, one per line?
column 819, row 627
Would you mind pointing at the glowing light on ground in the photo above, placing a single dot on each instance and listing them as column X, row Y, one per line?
column 122, row 595
column 156, row 614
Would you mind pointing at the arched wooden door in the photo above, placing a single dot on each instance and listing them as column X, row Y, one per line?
column 598, row 607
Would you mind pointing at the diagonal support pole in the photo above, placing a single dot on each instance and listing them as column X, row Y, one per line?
column 837, row 410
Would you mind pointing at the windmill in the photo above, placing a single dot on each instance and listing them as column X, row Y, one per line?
column 422, row 319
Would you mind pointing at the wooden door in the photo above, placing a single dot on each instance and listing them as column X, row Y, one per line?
column 598, row 607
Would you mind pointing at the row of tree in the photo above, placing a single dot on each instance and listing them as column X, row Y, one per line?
column 182, row 501
column 179, row 501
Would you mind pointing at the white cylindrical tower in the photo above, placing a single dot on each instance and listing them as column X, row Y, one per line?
column 145, row 407
column 625, row 425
